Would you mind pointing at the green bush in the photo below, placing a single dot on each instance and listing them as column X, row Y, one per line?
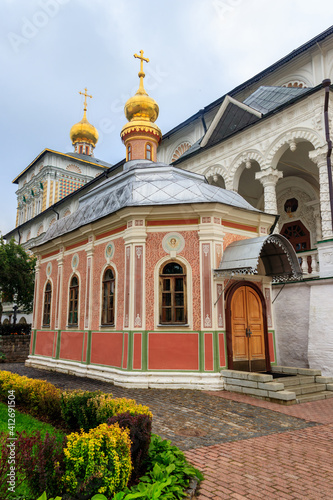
column 85, row 410
column 79, row 409
column 98, row 461
column 37, row 396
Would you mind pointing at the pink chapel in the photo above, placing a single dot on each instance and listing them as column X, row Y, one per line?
column 158, row 279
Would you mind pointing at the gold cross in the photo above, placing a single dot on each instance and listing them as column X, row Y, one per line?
column 141, row 73
column 85, row 98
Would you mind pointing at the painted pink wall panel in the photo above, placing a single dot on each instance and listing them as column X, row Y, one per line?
column 138, row 289
column 107, row 348
column 71, row 345
column 84, row 357
column 137, row 354
column 222, row 350
column 173, row 351
column 44, row 343
column 125, row 350
column 209, row 360
column 271, row 347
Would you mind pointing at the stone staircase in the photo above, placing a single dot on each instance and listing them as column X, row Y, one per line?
column 294, row 385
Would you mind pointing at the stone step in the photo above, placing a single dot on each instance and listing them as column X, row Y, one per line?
column 306, row 388
column 294, row 381
column 307, row 398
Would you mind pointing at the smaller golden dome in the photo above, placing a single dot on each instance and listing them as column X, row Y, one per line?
column 84, row 132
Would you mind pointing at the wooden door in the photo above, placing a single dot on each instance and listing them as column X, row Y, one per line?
column 247, row 327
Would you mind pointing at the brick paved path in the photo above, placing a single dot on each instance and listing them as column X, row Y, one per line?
column 247, row 448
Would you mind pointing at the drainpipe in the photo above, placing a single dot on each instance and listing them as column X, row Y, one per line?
column 202, row 112
column 271, row 231
column 19, row 234
column 326, row 84
column 57, row 213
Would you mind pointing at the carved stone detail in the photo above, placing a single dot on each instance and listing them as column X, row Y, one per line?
column 269, row 178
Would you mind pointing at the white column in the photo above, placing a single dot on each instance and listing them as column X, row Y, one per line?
column 269, row 178
column 319, row 156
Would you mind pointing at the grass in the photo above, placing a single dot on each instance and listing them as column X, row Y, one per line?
column 26, row 423
column 29, row 424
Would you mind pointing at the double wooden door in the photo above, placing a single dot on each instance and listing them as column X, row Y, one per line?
column 247, row 329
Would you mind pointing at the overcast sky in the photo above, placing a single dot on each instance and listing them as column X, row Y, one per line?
column 198, row 51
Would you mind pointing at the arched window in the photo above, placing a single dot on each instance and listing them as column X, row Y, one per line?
column 80, row 150
column 47, row 305
column 173, row 294
column 87, row 150
column 129, row 152
column 73, row 302
column 148, row 151
column 108, row 300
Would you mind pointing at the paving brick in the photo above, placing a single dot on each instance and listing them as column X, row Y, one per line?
column 248, row 448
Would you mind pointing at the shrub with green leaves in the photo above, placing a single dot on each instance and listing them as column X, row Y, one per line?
column 37, row 396
column 168, row 474
column 98, row 461
column 79, row 409
column 85, row 410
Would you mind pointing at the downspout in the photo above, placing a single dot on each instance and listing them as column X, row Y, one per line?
column 55, row 212
column 274, row 224
column 19, row 235
column 326, row 84
column 202, row 112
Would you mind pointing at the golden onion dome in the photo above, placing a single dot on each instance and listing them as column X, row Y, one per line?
column 141, row 107
column 84, row 132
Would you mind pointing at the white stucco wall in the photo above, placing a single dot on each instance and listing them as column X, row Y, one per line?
column 304, row 325
column 291, row 313
column 320, row 344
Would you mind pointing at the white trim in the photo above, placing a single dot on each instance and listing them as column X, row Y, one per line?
column 52, row 291
column 227, row 100
column 133, row 379
column 67, row 327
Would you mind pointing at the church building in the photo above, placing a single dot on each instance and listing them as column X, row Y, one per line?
column 159, row 278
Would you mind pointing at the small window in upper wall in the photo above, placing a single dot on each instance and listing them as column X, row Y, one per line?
column 87, row 150
column 108, row 298
column 80, row 150
column 47, row 305
column 148, row 151
column 129, row 152
column 73, row 302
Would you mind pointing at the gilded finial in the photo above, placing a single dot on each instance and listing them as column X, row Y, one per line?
column 141, row 73
column 85, row 99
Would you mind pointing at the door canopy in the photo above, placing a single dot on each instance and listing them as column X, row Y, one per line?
column 275, row 251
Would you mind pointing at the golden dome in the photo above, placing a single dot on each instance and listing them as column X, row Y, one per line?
column 84, row 132
column 141, row 110
column 141, row 107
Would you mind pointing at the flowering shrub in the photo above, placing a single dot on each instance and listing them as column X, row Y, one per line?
column 107, row 407
column 38, row 396
column 85, row 410
column 98, row 461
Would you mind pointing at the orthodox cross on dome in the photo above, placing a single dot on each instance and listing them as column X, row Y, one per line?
column 141, row 72
column 85, row 98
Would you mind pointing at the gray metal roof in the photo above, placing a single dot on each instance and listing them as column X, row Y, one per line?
column 144, row 183
column 276, row 252
column 265, row 99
